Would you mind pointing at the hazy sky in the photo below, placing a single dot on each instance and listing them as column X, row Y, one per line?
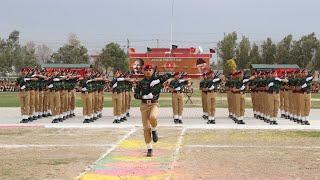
column 196, row 22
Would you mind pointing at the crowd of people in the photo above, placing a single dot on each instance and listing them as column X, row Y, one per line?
column 7, row 85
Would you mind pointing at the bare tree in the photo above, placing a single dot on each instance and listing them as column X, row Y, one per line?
column 43, row 53
column 73, row 40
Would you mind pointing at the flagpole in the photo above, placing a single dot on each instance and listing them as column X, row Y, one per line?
column 171, row 38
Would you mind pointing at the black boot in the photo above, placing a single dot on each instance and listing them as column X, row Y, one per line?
column 240, row 122
column 180, row 121
column 149, row 153
column 55, row 121
column 128, row 114
column 154, row 136
column 86, row 121
column 306, row 123
column 30, row 119
column 116, row 121
column 24, row 121
column 176, row 121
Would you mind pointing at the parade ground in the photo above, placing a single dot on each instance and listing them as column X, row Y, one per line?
column 193, row 150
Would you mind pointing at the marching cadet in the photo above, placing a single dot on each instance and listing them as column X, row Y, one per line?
column 230, row 96
column 115, row 85
column 176, row 86
column 71, row 85
column 32, row 87
column 86, row 96
column 24, row 95
column 54, row 87
column 148, row 91
column 203, row 85
column 211, row 89
column 128, row 95
column 239, row 95
column 46, row 96
column 273, row 88
column 304, row 101
column 254, row 94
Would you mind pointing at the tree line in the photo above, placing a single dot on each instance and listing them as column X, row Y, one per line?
column 305, row 52
column 14, row 56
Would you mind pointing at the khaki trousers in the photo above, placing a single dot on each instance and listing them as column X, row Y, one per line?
column 229, row 101
column 295, row 105
column 95, row 101
column 273, row 103
column 72, row 100
column 46, row 101
column 286, row 101
column 290, row 101
column 62, row 101
column 149, row 115
column 24, row 97
column 101, row 100
column 211, row 103
column 41, row 101
column 55, row 103
column 36, row 101
column 254, row 101
column 305, row 104
column 128, row 100
column 117, row 103
column 204, row 101
column 123, row 107
column 31, row 102
column 87, row 103
column 177, row 103
column 282, row 100
column 240, row 104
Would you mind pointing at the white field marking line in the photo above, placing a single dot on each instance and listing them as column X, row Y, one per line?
column 177, row 151
column 87, row 126
column 236, row 146
column 12, row 146
column 133, row 130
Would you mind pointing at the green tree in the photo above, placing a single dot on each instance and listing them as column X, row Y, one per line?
column 112, row 56
column 254, row 57
column 303, row 50
column 243, row 52
column 227, row 47
column 283, row 50
column 269, row 50
column 71, row 53
column 316, row 65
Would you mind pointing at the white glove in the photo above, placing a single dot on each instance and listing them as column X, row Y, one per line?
column 23, row 87
column 149, row 96
column 178, row 89
column 84, row 89
column 26, row 79
column 270, row 84
column 278, row 79
column 182, row 80
column 115, row 85
column 120, row 79
column 211, row 88
column 56, row 79
column 304, row 85
column 216, row 80
column 242, row 87
column 309, row 78
column 154, row 82
column 33, row 75
column 50, row 86
column 245, row 80
column 89, row 81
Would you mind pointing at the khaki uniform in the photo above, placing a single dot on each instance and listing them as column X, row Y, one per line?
column 149, row 102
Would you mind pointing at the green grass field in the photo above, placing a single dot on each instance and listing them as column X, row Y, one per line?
column 10, row 99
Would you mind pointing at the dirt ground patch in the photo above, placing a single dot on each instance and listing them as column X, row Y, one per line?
column 250, row 154
column 59, row 153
